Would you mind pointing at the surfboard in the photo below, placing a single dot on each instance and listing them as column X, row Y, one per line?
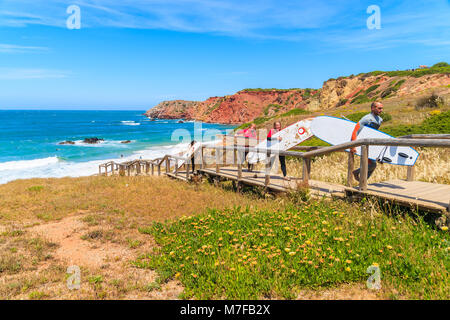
column 189, row 153
column 290, row 137
column 336, row 131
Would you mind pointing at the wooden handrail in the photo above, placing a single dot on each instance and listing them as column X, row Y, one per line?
column 441, row 141
column 426, row 136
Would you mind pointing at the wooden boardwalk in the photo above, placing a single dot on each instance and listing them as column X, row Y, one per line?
column 422, row 195
column 425, row 196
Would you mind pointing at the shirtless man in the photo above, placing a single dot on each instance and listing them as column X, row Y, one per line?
column 374, row 121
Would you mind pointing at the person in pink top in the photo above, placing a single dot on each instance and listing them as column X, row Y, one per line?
column 277, row 128
column 249, row 133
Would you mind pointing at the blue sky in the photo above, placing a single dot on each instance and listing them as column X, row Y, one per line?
column 134, row 54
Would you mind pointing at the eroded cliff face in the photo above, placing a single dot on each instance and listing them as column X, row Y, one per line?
column 354, row 90
column 241, row 107
column 246, row 105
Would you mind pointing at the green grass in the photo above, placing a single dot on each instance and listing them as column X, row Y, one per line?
column 358, row 115
column 441, row 67
column 275, row 107
column 361, row 99
column 251, row 254
column 295, row 112
column 370, row 89
column 436, row 124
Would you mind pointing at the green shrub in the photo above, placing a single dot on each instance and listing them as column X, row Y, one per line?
column 341, row 102
column 250, row 254
column 307, row 93
column 432, row 101
column 370, row 89
column 35, row 188
column 361, row 99
column 355, row 117
column 441, row 65
column 294, row 112
column 436, row 124
column 273, row 106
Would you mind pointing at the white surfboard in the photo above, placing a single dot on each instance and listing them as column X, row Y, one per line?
column 336, row 131
column 290, row 137
column 189, row 153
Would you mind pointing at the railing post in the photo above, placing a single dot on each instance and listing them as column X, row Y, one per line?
column 224, row 151
column 159, row 169
column 239, row 166
column 203, row 162
column 268, row 166
column 234, row 150
column 167, row 161
column 217, row 160
column 364, row 168
column 350, row 168
column 153, row 168
column 147, row 167
column 187, row 168
column 411, row 173
column 100, row 170
column 138, row 168
column 306, row 170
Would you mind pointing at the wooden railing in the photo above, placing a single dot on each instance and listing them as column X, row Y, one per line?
column 220, row 156
column 425, row 141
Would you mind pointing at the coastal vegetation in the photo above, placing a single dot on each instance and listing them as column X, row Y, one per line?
column 241, row 253
column 441, row 67
column 152, row 237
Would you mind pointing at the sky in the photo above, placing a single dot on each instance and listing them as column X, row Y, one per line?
column 131, row 55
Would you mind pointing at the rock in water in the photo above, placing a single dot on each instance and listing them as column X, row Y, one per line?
column 126, row 141
column 92, row 140
column 67, row 142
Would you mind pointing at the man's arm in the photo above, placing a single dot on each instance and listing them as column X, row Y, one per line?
column 355, row 135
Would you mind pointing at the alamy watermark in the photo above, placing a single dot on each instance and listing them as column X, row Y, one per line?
column 74, row 20
column 374, row 20
column 74, row 280
column 374, row 281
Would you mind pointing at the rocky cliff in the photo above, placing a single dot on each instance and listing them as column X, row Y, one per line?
column 243, row 106
column 248, row 104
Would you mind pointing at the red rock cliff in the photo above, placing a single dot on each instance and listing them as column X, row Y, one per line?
column 246, row 105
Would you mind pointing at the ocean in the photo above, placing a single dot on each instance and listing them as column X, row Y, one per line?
column 29, row 140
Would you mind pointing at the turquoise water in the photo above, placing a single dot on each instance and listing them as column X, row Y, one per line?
column 29, row 140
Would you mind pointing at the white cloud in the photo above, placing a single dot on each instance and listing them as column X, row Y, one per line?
column 13, row 48
column 340, row 23
column 30, row 73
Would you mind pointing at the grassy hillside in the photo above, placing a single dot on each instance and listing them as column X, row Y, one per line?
column 441, row 67
column 402, row 116
column 215, row 243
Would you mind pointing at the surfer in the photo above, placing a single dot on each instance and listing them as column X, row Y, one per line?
column 276, row 128
column 249, row 133
column 372, row 120
column 192, row 149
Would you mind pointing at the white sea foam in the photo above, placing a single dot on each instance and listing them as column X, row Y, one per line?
column 53, row 167
column 27, row 164
column 130, row 123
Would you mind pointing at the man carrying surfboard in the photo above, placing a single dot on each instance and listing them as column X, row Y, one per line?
column 372, row 120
